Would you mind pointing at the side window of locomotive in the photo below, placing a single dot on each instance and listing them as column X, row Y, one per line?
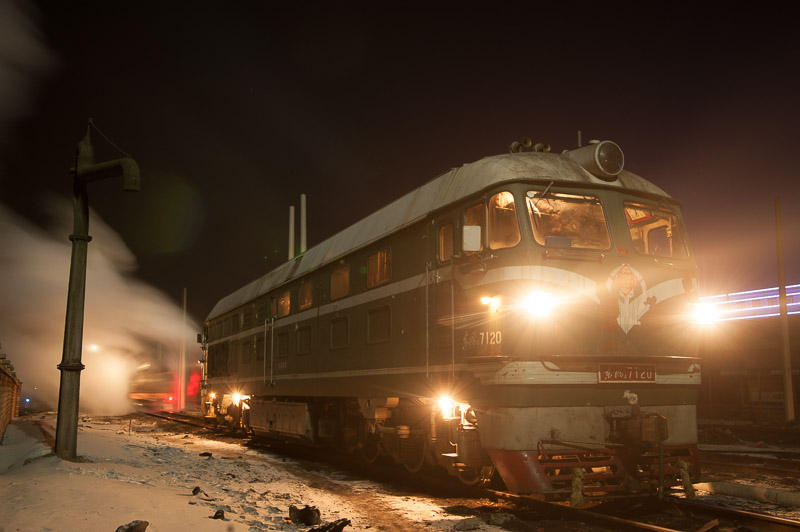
column 655, row 230
column 340, row 332
column 305, row 295
column 304, row 340
column 445, row 243
column 284, row 304
column 282, row 344
column 568, row 220
column 379, row 325
column 261, row 312
column 475, row 216
column 340, row 282
column 379, row 268
column 247, row 349
column 503, row 225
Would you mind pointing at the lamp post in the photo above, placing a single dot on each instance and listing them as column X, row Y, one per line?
column 85, row 171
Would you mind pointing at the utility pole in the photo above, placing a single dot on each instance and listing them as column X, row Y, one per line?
column 182, row 362
column 84, row 172
column 788, row 389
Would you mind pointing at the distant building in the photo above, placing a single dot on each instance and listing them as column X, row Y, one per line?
column 10, row 389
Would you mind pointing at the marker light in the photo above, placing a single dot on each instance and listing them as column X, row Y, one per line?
column 212, row 395
column 492, row 302
column 447, row 406
column 235, row 398
column 539, row 304
column 705, row 313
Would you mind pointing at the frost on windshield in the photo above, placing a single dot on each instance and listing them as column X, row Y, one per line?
column 568, row 220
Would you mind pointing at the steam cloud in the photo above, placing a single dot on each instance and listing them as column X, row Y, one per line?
column 124, row 317
column 24, row 58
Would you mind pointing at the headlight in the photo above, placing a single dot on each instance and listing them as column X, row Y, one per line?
column 446, row 405
column 539, row 304
column 235, row 399
column 705, row 313
column 492, row 302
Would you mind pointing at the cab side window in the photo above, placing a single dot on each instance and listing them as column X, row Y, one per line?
column 476, row 216
column 446, row 234
column 340, row 282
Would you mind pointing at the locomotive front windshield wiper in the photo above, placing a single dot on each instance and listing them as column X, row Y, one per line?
column 541, row 196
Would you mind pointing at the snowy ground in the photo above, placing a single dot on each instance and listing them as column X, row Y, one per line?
column 149, row 474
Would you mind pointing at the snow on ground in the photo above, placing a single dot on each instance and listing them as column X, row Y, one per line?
column 137, row 471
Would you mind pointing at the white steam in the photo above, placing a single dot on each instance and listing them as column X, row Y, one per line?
column 124, row 317
column 24, row 59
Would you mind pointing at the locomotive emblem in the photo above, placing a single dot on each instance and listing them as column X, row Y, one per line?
column 625, row 280
column 631, row 296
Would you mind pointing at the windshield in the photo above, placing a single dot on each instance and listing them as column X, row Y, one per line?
column 568, row 220
column 655, row 230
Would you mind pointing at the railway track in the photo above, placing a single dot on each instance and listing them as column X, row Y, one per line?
column 671, row 514
column 749, row 463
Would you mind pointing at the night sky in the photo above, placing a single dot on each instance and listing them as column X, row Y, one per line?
column 233, row 109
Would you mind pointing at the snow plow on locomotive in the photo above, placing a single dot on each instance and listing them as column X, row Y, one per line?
column 528, row 314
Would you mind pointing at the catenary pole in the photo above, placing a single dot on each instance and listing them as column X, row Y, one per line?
column 182, row 361
column 788, row 388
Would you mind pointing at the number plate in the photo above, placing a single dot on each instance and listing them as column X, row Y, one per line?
column 626, row 373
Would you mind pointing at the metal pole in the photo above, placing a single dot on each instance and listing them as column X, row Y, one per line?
column 271, row 351
column 182, row 361
column 427, row 323
column 68, row 395
column 788, row 392
column 453, row 327
column 71, row 366
column 303, row 223
column 291, row 232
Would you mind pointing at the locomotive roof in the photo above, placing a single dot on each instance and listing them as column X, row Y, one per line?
column 448, row 188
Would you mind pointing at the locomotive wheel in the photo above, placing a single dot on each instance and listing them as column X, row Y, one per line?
column 418, row 460
column 370, row 450
column 476, row 477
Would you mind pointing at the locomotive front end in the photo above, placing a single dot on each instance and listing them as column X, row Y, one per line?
column 591, row 317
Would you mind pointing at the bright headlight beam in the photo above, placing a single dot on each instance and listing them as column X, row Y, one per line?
column 539, row 304
column 705, row 313
column 446, row 405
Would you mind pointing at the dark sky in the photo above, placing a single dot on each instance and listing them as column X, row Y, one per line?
column 233, row 109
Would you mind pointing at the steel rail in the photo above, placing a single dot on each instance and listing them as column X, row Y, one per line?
column 754, row 521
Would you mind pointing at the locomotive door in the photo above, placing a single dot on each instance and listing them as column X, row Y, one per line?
column 441, row 297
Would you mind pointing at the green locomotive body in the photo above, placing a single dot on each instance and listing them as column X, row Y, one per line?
column 528, row 313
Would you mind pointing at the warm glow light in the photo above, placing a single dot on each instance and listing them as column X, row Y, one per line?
column 170, row 398
column 446, row 405
column 235, row 398
column 705, row 313
column 93, row 347
column 539, row 304
column 212, row 395
column 492, row 302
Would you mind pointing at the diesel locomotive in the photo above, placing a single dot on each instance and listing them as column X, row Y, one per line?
column 528, row 315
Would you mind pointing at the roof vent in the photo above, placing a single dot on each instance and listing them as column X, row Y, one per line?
column 602, row 158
